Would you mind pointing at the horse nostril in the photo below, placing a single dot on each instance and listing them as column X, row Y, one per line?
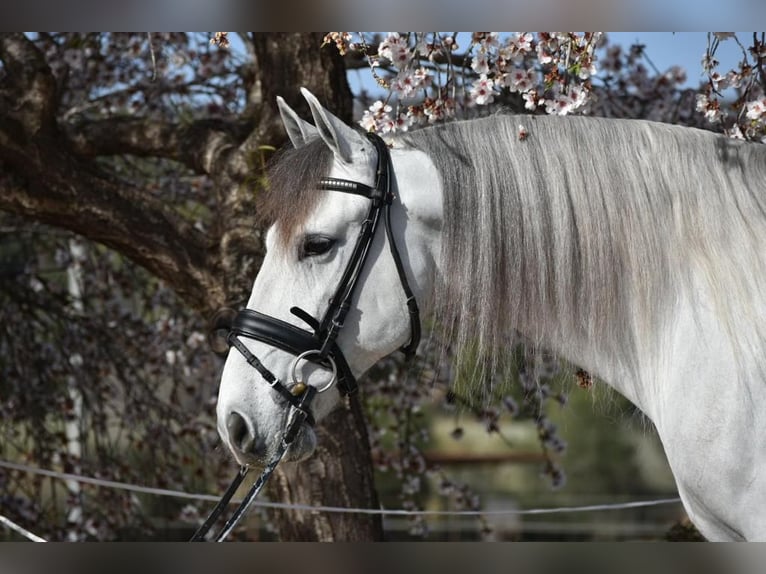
column 240, row 436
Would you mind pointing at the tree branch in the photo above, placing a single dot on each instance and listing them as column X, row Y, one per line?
column 69, row 193
column 200, row 144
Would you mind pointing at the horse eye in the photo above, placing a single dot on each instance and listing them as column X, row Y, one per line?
column 314, row 245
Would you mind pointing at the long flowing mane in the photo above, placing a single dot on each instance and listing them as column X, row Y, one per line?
column 591, row 229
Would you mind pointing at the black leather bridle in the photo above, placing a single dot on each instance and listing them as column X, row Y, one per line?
column 319, row 345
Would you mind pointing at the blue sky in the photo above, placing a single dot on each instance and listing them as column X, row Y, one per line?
column 685, row 49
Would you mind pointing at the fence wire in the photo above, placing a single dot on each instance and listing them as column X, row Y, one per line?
column 313, row 508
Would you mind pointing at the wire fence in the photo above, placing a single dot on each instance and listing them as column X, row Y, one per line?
column 317, row 508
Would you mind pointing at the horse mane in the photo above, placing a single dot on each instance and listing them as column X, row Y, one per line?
column 589, row 229
column 291, row 192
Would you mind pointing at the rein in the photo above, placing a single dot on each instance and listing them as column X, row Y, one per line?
column 318, row 346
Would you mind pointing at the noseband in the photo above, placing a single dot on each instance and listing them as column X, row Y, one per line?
column 319, row 345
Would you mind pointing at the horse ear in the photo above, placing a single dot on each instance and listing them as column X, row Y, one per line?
column 298, row 130
column 341, row 139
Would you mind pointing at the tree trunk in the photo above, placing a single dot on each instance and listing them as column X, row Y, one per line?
column 330, row 479
column 48, row 172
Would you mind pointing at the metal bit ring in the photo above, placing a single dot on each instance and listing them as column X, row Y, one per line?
column 308, row 353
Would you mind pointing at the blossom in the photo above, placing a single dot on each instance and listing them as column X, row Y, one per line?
column 422, row 76
column 486, row 40
column 523, row 41
column 756, row 109
column 342, row 41
column 450, row 42
column 711, row 108
column 438, row 109
column 481, row 93
column 566, row 103
column 375, row 116
column 404, row 121
column 220, row 39
column 543, row 55
column 480, row 64
column 408, row 81
column 519, row 80
column 733, row 79
column 394, row 48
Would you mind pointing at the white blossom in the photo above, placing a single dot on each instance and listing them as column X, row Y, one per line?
column 481, row 92
column 755, row 109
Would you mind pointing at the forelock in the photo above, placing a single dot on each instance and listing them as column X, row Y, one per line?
column 291, row 193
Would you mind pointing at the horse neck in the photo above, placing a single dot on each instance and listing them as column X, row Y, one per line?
column 530, row 243
column 590, row 235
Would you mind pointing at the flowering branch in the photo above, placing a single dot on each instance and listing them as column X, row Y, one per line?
column 428, row 79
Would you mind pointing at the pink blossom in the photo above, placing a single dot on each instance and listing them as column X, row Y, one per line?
column 404, row 84
column 544, row 55
column 408, row 82
column 523, row 42
column 481, row 93
column 394, row 48
column 404, row 121
column 491, row 40
column 479, row 63
column 561, row 105
column 438, row 109
column 564, row 104
column 519, row 80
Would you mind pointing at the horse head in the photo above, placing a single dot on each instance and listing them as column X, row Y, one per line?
column 338, row 286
